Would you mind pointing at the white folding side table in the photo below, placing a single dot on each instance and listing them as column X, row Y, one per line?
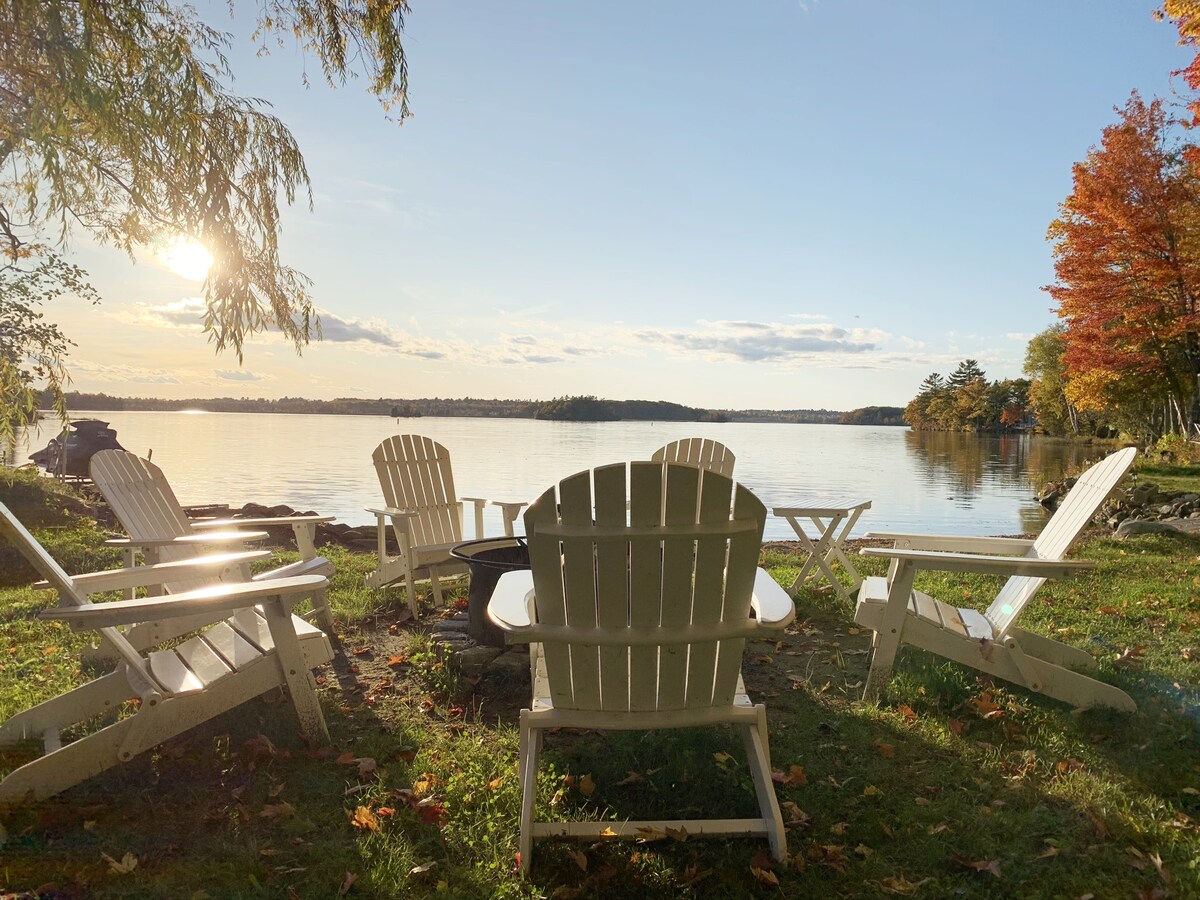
column 834, row 518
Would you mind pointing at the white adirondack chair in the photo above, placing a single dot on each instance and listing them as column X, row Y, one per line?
column 636, row 610
column 703, row 452
column 426, row 518
column 991, row 641
column 255, row 650
column 160, row 530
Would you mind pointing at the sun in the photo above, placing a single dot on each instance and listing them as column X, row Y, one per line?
column 186, row 257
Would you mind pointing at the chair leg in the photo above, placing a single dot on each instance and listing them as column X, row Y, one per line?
column 321, row 611
column 891, row 629
column 436, row 585
column 530, row 745
column 301, row 686
column 410, row 585
column 758, row 757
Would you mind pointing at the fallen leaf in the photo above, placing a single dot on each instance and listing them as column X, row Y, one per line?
column 346, row 759
column 863, row 850
column 795, row 776
column 898, row 884
column 887, row 751
column 1130, row 655
column 839, row 828
column 365, row 819
column 907, row 712
column 871, row 791
column 937, row 829
column 979, row 865
column 956, row 728
column 495, row 783
column 587, row 787
column 631, row 778
column 366, row 766
column 1048, row 852
column 425, row 867
column 723, row 759
column 347, row 883
column 277, row 811
column 127, row 864
column 579, row 858
column 765, row 876
column 794, row 816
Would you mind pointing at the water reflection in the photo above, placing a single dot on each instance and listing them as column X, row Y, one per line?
column 933, row 482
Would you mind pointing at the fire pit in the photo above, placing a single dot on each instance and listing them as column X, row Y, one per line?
column 488, row 559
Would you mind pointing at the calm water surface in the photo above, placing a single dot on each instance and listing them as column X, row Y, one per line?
column 943, row 483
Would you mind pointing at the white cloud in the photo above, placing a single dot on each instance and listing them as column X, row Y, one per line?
column 746, row 341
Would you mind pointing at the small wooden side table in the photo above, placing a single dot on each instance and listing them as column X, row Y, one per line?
column 834, row 518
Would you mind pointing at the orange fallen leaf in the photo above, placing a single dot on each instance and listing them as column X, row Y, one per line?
column 795, row 776
column 347, row 883
column 907, row 712
column 898, row 884
column 587, row 787
column 364, row 819
column 887, row 751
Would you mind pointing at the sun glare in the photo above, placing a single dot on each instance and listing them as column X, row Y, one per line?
column 186, row 257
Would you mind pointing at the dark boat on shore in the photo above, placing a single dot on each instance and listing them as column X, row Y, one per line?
column 68, row 455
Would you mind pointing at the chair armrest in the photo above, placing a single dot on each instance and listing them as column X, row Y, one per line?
column 202, row 539
column 209, row 600
column 508, row 510
column 391, row 512
column 160, row 573
column 512, row 601
column 983, row 565
column 954, row 543
column 265, row 521
column 772, row 606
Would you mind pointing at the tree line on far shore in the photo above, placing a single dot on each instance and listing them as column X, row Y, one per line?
column 566, row 409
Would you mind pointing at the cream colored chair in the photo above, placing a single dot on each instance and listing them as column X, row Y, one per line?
column 425, row 515
column 703, row 452
column 257, row 646
column 160, row 531
column 991, row 641
column 643, row 591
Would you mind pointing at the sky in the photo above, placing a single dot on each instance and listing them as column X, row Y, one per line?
column 772, row 204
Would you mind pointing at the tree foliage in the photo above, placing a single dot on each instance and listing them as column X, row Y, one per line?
column 1126, row 246
column 115, row 118
column 1048, row 382
column 967, row 401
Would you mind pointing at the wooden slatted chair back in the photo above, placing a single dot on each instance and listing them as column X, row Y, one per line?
column 703, row 452
column 69, row 594
column 142, row 498
column 415, row 474
column 1081, row 503
column 645, row 561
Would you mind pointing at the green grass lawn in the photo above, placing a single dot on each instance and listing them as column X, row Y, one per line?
column 954, row 786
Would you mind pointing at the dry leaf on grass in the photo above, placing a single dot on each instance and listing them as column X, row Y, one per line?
column 364, row 819
column 794, row 776
column 127, row 863
column 979, row 865
column 347, row 883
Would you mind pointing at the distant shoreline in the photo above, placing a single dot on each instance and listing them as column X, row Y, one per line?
column 571, row 409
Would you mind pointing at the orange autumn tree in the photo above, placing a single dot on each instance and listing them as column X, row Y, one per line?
column 1127, row 264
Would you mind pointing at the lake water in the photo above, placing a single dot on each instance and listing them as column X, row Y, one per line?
column 928, row 482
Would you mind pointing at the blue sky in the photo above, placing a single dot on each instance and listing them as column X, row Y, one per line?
column 770, row 204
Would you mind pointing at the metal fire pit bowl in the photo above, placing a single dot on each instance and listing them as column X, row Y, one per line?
column 488, row 559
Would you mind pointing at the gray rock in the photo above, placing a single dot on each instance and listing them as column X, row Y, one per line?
column 1141, row 526
column 456, row 624
column 471, row 661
